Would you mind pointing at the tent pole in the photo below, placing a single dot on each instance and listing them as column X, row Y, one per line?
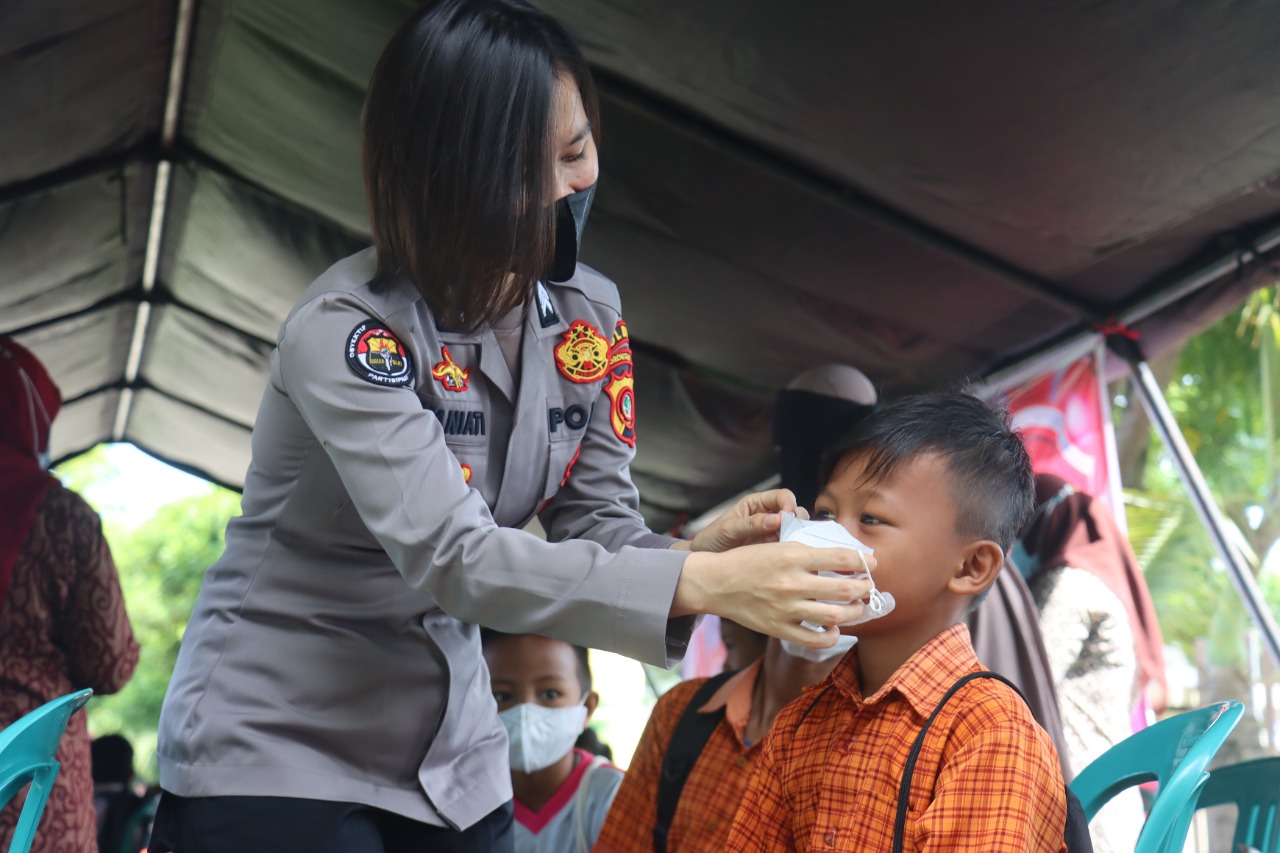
column 1210, row 515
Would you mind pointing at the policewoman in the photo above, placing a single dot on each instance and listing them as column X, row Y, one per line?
column 426, row 399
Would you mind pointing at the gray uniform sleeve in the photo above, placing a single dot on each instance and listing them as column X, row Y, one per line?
column 599, row 502
column 409, row 491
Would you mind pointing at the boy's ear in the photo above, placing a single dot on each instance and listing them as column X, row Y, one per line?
column 592, row 702
column 982, row 562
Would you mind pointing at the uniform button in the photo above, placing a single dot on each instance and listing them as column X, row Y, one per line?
column 742, row 761
column 711, row 824
column 830, row 838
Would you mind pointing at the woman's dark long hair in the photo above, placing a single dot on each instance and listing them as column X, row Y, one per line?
column 458, row 153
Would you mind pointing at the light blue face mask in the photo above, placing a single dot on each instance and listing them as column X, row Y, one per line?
column 1027, row 563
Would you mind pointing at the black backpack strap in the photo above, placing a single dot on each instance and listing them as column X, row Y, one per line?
column 1076, row 830
column 816, row 700
column 904, row 790
column 687, row 741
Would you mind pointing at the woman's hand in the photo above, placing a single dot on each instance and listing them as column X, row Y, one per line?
column 754, row 519
column 774, row 587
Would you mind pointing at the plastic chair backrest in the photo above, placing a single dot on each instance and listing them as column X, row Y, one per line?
column 1254, row 788
column 1174, row 753
column 137, row 832
column 27, row 750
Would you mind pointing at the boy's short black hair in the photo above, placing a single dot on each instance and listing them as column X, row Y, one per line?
column 992, row 482
column 489, row 635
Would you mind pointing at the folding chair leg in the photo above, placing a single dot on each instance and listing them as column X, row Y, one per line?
column 33, row 809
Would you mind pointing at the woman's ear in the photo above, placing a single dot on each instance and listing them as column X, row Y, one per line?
column 591, row 703
column 982, row 562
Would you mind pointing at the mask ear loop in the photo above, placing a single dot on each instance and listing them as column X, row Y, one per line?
column 875, row 601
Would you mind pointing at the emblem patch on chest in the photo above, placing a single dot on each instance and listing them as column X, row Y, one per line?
column 466, row 473
column 583, row 354
column 449, row 373
column 376, row 355
column 621, row 387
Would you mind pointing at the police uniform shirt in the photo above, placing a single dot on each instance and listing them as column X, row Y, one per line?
column 333, row 651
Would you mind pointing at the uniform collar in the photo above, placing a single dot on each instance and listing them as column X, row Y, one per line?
column 734, row 696
column 546, row 315
column 925, row 677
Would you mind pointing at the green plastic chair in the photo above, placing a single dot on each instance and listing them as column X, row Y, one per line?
column 138, row 829
column 1254, row 788
column 1174, row 753
column 27, row 750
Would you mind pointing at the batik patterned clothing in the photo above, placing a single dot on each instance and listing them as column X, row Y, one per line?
column 987, row 778
column 574, row 814
column 1090, row 647
column 714, row 786
column 63, row 627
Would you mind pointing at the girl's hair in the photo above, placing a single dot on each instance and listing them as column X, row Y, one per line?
column 458, row 153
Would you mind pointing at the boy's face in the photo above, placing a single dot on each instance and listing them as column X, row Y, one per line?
column 527, row 668
column 910, row 521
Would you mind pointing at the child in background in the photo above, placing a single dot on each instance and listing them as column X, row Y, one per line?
column 938, row 486
column 544, row 696
column 707, row 775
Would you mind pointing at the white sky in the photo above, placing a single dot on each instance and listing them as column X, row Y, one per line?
column 140, row 485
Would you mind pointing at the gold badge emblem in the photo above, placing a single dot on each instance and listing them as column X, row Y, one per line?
column 449, row 373
column 583, row 354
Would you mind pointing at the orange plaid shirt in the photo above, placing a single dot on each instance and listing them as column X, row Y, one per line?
column 715, row 784
column 987, row 778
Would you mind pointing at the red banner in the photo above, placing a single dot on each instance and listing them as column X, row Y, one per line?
column 1065, row 419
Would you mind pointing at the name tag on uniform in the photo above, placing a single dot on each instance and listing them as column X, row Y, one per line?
column 462, row 422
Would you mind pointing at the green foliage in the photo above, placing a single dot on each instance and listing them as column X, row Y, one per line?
column 161, row 563
column 1223, row 397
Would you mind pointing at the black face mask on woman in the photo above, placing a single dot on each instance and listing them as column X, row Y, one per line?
column 571, row 218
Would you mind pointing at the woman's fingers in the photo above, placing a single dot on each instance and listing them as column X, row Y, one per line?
column 774, row 500
column 772, row 588
column 844, row 561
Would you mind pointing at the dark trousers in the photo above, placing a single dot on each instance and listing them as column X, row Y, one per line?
column 288, row 825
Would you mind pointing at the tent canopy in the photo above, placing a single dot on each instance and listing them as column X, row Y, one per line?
column 928, row 191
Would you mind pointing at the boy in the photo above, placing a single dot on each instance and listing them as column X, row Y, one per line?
column 737, row 715
column 544, row 696
column 939, row 486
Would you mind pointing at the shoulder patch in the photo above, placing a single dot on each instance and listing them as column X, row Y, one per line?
column 621, row 387
column 377, row 356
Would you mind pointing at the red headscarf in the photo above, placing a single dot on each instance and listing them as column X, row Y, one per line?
column 1081, row 532
column 29, row 401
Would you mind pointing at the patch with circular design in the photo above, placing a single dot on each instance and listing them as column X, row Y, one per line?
column 621, row 387
column 583, row 354
column 466, row 473
column 377, row 356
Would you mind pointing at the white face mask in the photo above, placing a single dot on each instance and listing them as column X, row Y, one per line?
column 830, row 534
column 539, row 737
column 819, row 655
